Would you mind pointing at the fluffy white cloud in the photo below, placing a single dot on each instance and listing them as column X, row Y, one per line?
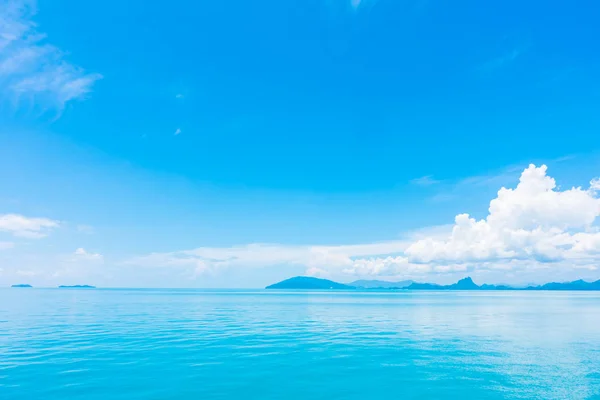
column 533, row 221
column 21, row 226
column 31, row 68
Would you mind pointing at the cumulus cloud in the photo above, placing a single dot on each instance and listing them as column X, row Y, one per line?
column 534, row 221
column 32, row 69
column 21, row 226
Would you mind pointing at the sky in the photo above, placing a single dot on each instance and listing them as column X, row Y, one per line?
column 235, row 144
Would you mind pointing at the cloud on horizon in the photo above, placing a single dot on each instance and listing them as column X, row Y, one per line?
column 533, row 226
column 533, row 230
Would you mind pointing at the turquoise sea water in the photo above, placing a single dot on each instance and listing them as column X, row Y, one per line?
column 186, row 344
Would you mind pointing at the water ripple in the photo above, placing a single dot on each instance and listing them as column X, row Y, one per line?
column 161, row 344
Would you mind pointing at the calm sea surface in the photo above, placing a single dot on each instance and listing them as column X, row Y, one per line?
column 186, row 344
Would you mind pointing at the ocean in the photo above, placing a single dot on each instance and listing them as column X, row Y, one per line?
column 195, row 344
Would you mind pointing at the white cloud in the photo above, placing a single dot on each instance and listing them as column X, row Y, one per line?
column 33, row 228
column 82, row 255
column 534, row 221
column 31, row 69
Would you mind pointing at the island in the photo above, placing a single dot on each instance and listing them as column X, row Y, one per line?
column 305, row 282
column 77, row 287
column 22, row 285
column 575, row 285
column 463, row 284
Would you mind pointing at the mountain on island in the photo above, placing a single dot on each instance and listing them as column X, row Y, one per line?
column 77, row 287
column 304, row 282
column 463, row 284
column 307, row 282
column 468, row 284
column 22, row 285
column 375, row 284
column 575, row 285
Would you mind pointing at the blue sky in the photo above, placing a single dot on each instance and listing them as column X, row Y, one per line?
column 232, row 144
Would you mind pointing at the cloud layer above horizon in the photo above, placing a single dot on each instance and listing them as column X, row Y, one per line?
column 534, row 226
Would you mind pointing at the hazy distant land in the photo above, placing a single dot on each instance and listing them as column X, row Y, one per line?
column 305, row 282
column 76, row 287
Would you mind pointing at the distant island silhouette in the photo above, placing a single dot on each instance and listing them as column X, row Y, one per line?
column 22, row 285
column 306, row 282
column 76, row 287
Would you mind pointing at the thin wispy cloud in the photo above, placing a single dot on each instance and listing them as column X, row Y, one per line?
column 355, row 3
column 21, row 226
column 361, row 4
column 501, row 61
column 505, row 59
column 30, row 68
column 177, row 131
column 426, row 180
